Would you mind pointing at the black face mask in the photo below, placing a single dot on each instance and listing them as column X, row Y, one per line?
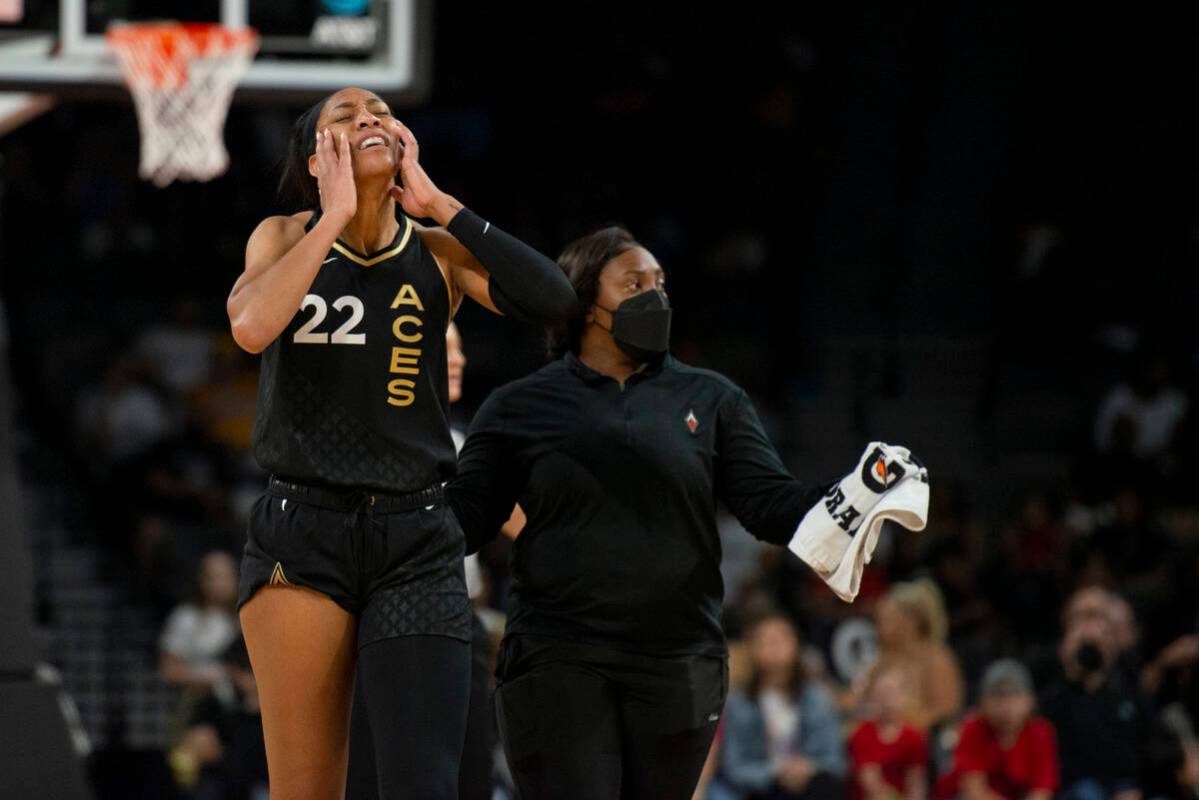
column 641, row 325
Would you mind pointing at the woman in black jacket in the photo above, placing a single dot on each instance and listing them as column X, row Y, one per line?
column 612, row 674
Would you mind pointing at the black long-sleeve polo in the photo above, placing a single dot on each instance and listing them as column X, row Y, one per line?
column 620, row 485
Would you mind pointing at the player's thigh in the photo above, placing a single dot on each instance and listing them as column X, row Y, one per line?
column 302, row 647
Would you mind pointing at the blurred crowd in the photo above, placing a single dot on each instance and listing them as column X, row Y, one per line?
column 1053, row 654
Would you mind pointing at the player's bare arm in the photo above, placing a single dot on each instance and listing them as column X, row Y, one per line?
column 282, row 260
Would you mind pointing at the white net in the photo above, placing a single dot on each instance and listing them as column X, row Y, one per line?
column 182, row 78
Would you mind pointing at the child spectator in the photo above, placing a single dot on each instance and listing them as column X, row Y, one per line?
column 912, row 625
column 889, row 757
column 1006, row 750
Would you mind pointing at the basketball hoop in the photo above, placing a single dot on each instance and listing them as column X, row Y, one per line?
column 182, row 76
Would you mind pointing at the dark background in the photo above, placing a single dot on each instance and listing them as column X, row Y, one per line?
column 803, row 172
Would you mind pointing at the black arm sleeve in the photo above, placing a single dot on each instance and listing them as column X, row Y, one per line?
column 751, row 478
column 524, row 284
column 488, row 482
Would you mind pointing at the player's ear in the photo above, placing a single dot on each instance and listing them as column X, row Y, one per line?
column 312, row 165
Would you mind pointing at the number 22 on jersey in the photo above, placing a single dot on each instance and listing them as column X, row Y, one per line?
column 343, row 335
column 406, row 329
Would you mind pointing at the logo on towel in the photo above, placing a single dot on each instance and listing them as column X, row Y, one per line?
column 692, row 422
column 876, row 474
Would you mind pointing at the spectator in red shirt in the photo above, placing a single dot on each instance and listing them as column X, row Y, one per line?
column 1005, row 751
column 889, row 757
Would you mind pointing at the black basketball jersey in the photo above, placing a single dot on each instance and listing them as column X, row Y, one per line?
column 353, row 393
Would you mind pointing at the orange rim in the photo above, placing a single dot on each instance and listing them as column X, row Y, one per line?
column 158, row 53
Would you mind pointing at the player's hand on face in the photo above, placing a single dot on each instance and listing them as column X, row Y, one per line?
column 415, row 191
column 335, row 176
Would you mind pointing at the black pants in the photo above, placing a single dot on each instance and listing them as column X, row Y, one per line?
column 594, row 723
column 410, row 697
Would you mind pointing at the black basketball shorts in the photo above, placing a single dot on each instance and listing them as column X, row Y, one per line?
column 398, row 569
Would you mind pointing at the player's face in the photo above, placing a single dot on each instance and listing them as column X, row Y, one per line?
column 455, row 361
column 366, row 121
column 628, row 275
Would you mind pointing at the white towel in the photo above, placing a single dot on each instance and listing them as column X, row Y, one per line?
column 839, row 558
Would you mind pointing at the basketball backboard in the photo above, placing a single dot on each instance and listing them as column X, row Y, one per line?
column 308, row 48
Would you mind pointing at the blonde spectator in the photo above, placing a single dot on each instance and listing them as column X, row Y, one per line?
column 912, row 625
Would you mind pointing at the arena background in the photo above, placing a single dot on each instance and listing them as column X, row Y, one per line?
column 957, row 226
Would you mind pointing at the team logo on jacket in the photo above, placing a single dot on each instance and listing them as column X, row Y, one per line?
column 692, row 422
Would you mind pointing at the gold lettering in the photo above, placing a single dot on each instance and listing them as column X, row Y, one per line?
column 405, row 360
column 407, row 296
column 401, row 392
column 397, row 328
column 401, row 356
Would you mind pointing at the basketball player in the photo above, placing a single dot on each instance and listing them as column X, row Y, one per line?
column 475, row 767
column 613, row 669
column 351, row 553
